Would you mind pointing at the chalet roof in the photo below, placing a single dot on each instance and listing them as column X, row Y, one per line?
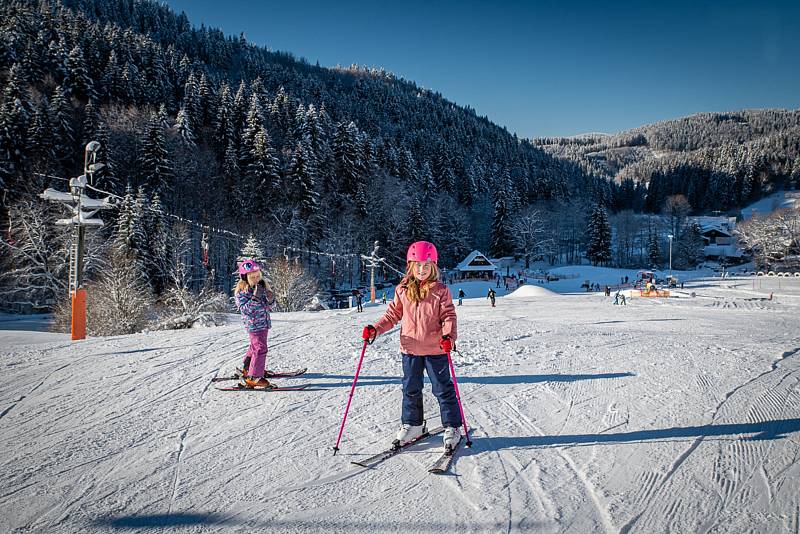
column 476, row 261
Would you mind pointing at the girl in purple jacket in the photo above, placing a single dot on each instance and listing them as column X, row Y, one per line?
column 255, row 299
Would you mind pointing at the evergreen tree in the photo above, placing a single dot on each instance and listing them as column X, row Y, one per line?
column 63, row 132
column 689, row 247
column 232, row 176
column 112, row 82
column 253, row 124
column 184, row 126
column 190, row 105
column 264, row 170
column 40, row 137
column 417, row 227
column 129, row 235
column 653, row 249
column 105, row 178
column 345, row 152
column 91, row 121
column 252, row 249
column 427, row 184
column 302, row 183
column 155, row 164
column 407, row 166
column 302, row 131
column 158, row 241
column 77, row 81
column 205, row 101
column 224, row 124
column 598, row 248
column 502, row 239
column 361, row 202
column 14, row 118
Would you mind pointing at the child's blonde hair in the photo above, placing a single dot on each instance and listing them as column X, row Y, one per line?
column 417, row 291
column 244, row 285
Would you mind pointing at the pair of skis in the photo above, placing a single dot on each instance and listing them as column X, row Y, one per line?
column 271, row 388
column 441, row 465
column 269, row 374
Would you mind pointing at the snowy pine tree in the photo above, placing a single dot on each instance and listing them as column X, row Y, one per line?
column 345, row 150
column 184, row 126
column 223, row 123
column 598, row 233
column 302, row 183
column 252, row 249
column 63, row 131
column 427, row 184
column 264, row 168
column 653, row 249
column 502, row 239
column 417, row 228
column 77, row 81
column 155, row 164
column 130, row 235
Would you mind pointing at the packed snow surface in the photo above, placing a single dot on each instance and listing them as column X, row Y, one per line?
column 679, row 415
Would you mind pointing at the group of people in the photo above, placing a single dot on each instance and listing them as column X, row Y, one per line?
column 427, row 336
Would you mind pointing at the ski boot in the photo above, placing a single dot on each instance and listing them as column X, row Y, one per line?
column 452, row 435
column 250, row 382
column 408, row 433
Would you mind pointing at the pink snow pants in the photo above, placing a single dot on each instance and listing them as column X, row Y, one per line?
column 257, row 353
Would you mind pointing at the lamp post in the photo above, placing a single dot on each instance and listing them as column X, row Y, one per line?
column 670, row 256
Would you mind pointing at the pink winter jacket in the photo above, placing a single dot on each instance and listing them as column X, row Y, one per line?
column 424, row 323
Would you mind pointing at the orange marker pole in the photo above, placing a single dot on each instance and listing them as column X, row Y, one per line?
column 79, row 314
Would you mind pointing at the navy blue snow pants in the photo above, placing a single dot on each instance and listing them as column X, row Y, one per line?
column 439, row 374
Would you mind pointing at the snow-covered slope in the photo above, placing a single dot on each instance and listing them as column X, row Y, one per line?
column 677, row 415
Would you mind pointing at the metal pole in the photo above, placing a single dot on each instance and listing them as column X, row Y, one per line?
column 670, row 256
column 350, row 398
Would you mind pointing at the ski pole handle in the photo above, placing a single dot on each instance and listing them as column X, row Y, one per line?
column 458, row 398
column 350, row 398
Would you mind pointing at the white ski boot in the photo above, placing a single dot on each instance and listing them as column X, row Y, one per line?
column 408, row 433
column 452, row 435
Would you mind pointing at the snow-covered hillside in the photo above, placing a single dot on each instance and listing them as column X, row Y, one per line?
column 678, row 415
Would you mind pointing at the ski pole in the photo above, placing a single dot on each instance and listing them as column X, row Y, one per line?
column 350, row 399
column 458, row 398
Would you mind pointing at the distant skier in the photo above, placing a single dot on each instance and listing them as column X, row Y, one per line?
column 383, row 298
column 461, row 296
column 491, row 295
column 359, row 301
column 427, row 333
column 255, row 299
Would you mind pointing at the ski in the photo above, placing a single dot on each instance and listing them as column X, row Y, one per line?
column 442, row 465
column 267, row 390
column 286, row 374
column 388, row 453
column 269, row 374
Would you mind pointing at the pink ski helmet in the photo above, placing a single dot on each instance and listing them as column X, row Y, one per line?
column 422, row 251
column 248, row 266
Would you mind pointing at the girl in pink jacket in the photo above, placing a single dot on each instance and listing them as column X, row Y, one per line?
column 427, row 333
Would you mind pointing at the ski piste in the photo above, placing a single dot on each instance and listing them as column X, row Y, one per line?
column 270, row 389
column 388, row 453
column 442, row 465
column 269, row 374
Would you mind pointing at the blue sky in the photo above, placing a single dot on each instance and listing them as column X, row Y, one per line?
column 547, row 68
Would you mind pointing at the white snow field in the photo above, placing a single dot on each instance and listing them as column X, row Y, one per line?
column 666, row 415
